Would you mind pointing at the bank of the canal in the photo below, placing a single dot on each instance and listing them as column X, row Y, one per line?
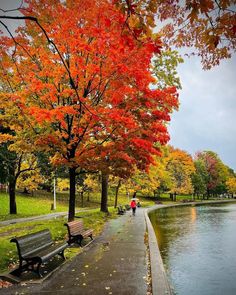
column 115, row 263
column 160, row 282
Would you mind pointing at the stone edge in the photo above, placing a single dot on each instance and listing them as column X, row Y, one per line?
column 160, row 284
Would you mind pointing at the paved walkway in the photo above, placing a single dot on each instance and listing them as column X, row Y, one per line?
column 114, row 263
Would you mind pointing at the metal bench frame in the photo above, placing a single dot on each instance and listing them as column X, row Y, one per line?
column 35, row 249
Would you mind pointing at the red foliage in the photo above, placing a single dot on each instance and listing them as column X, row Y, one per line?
column 88, row 95
column 4, row 284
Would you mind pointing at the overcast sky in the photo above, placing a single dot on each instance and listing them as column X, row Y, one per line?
column 206, row 119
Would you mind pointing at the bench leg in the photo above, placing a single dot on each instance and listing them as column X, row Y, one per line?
column 70, row 241
column 38, row 270
column 62, row 255
column 80, row 241
column 21, row 266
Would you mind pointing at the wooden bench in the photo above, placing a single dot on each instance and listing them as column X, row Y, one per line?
column 76, row 232
column 127, row 207
column 121, row 211
column 35, row 249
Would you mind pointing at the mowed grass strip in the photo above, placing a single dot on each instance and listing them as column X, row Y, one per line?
column 8, row 253
column 28, row 206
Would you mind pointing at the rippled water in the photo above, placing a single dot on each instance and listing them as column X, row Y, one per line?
column 198, row 247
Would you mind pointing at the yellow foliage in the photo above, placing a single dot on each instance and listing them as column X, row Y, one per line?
column 92, row 182
column 63, row 184
column 231, row 185
column 29, row 180
column 5, row 137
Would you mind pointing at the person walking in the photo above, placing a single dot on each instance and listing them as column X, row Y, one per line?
column 133, row 206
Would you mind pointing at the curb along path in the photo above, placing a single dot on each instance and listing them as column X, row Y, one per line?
column 115, row 263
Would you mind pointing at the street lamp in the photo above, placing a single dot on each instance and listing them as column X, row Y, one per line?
column 54, row 205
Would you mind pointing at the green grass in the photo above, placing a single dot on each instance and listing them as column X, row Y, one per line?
column 41, row 204
column 28, row 206
column 8, row 255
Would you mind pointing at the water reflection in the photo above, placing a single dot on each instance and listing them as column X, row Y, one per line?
column 198, row 247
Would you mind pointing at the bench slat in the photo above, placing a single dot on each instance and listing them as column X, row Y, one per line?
column 28, row 243
column 77, row 232
column 47, row 253
column 37, row 248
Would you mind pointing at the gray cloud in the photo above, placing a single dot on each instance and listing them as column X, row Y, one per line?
column 206, row 119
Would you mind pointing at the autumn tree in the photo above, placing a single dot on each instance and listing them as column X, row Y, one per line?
column 154, row 181
column 31, row 178
column 207, row 28
column 161, row 171
column 180, row 166
column 169, row 173
column 231, row 185
column 18, row 166
column 17, row 156
column 92, row 184
column 217, row 172
column 17, row 160
column 83, row 82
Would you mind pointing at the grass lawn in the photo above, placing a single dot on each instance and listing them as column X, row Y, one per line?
column 92, row 218
column 28, row 206
column 33, row 206
column 39, row 205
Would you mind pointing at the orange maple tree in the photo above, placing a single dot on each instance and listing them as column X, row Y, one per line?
column 208, row 27
column 82, row 80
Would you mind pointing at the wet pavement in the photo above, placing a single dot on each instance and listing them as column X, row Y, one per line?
column 114, row 263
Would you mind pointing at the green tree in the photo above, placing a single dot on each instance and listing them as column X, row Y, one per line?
column 199, row 178
column 215, row 172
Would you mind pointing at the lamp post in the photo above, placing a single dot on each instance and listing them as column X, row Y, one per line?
column 127, row 194
column 54, row 193
column 54, row 205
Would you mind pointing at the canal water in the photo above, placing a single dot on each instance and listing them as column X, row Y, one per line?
column 198, row 247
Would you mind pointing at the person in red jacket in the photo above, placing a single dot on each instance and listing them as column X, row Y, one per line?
column 133, row 205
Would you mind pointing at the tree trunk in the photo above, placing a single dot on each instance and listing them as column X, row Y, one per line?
column 117, row 191
column 104, row 192
column 71, row 213
column 88, row 197
column 12, row 190
column 82, row 199
column 208, row 193
column 174, row 197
